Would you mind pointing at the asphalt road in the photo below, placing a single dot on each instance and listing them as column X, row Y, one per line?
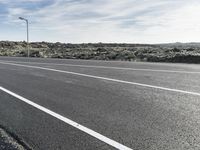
column 139, row 105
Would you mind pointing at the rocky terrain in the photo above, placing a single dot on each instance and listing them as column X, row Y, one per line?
column 7, row 142
column 172, row 52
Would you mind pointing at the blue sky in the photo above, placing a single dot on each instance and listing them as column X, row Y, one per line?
column 79, row 21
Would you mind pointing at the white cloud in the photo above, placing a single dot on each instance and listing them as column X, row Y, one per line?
column 149, row 21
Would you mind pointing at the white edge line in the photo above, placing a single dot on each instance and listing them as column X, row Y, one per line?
column 68, row 121
column 105, row 67
column 108, row 79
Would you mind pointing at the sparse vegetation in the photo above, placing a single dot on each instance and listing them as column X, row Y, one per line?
column 177, row 52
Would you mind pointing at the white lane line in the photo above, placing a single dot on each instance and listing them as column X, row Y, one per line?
column 68, row 121
column 105, row 67
column 104, row 78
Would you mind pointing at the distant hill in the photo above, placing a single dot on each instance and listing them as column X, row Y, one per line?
column 171, row 52
column 181, row 45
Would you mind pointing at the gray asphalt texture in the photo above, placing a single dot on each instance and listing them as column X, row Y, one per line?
column 139, row 117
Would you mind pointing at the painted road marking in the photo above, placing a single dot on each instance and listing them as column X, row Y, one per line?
column 68, row 121
column 104, row 78
column 105, row 67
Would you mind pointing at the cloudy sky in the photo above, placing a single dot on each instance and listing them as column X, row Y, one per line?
column 124, row 21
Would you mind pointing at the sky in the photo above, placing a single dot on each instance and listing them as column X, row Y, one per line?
column 109, row 21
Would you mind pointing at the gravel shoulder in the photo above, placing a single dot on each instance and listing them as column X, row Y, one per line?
column 7, row 142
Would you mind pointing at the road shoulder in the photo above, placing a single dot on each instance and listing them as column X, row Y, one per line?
column 7, row 142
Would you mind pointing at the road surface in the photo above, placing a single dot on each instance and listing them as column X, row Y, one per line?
column 76, row 104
